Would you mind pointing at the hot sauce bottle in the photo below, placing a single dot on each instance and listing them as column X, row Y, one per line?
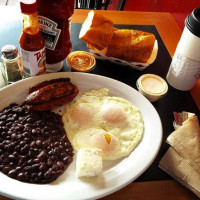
column 31, row 41
column 54, row 20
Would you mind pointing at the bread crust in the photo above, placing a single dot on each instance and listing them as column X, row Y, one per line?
column 100, row 31
column 131, row 45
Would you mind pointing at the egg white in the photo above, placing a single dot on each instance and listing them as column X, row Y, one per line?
column 98, row 120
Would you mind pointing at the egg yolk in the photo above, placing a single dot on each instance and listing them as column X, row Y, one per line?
column 81, row 116
column 113, row 114
column 108, row 143
column 108, row 138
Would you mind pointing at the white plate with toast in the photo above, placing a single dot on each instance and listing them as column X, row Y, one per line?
column 115, row 174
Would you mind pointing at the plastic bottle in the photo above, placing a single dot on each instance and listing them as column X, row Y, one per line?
column 54, row 19
column 31, row 41
column 184, row 70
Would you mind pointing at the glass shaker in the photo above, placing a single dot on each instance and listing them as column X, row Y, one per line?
column 11, row 61
column 2, row 75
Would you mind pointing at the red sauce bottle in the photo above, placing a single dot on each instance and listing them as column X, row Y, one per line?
column 31, row 41
column 54, row 20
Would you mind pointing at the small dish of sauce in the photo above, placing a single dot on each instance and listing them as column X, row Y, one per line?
column 81, row 61
column 153, row 87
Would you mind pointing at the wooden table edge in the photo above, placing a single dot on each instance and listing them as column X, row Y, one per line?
column 132, row 189
column 153, row 190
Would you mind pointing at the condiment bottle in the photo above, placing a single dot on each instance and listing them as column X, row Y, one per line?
column 11, row 62
column 31, row 41
column 54, row 19
column 184, row 70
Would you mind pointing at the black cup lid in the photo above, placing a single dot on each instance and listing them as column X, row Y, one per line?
column 192, row 22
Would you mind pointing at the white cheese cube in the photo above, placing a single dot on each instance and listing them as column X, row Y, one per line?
column 88, row 162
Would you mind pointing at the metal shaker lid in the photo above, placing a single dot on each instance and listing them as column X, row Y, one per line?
column 192, row 22
column 9, row 51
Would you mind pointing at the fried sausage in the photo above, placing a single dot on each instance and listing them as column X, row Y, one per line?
column 50, row 94
column 55, row 102
column 45, row 83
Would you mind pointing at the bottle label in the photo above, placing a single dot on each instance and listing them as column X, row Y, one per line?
column 183, row 72
column 34, row 62
column 49, row 31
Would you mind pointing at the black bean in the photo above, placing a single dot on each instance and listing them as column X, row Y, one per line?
column 34, row 175
column 12, row 173
column 38, row 130
column 30, row 120
column 25, row 149
column 21, row 176
column 14, row 136
column 42, row 156
column 33, row 145
column 8, row 124
column 34, row 131
column 20, row 126
column 3, row 117
column 3, row 134
column 39, row 143
column 40, row 175
column 42, row 166
column 36, row 160
column 17, row 148
column 31, row 153
column 22, row 143
column 12, row 157
column 30, row 161
column 6, row 169
column 60, row 164
column 65, row 159
column 17, row 109
column 2, row 122
column 19, row 136
column 26, row 134
column 18, row 168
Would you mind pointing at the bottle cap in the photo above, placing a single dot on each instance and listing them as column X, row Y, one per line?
column 28, row 6
column 192, row 22
column 9, row 51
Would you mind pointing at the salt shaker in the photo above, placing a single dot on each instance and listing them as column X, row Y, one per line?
column 11, row 63
column 184, row 70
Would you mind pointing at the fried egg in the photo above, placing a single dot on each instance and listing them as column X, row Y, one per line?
column 98, row 120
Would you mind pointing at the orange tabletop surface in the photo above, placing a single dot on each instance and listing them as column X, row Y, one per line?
column 163, row 22
column 151, row 190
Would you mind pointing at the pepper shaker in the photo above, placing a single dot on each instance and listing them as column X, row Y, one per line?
column 184, row 70
column 2, row 75
column 11, row 61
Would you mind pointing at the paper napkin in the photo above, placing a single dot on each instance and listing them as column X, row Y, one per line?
column 182, row 160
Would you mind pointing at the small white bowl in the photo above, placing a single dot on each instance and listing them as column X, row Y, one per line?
column 153, row 87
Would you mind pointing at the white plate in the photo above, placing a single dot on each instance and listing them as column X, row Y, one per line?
column 116, row 174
